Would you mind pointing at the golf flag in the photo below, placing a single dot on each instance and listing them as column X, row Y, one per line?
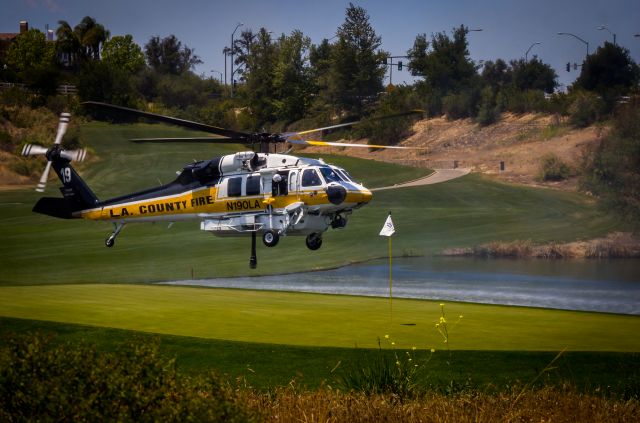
column 388, row 229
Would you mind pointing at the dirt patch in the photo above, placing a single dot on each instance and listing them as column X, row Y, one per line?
column 615, row 245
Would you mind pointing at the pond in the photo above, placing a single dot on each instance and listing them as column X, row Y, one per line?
column 611, row 286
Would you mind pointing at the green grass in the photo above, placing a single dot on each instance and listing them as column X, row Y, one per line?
column 37, row 249
column 268, row 365
column 318, row 320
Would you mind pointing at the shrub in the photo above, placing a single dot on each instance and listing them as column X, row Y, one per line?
column 458, row 106
column 41, row 381
column 552, row 168
column 585, row 109
column 488, row 112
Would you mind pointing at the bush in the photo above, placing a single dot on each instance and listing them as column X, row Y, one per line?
column 611, row 168
column 458, row 106
column 41, row 381
column 552, row 168
column 488, row 112
column 585, row 109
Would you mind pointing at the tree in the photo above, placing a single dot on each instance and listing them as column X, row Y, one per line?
column 67, row 44
column 167, row 55
column 32, row 59
column 259, row 92
column 446, row 67
column 356, row 70
column 122, row 52
column 610, row 72
column 292, row 77
column 450, row 82
column 99, row 81
column 533, row 75
column 496, row 74
column 91, row 35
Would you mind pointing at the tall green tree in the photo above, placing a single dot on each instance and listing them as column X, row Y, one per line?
column 168, row 55
column 122, row 52
column 610, row 72
column 356, row 72
column 32, row 59
column 533, row 75
column 91, row 35
column 446, row 67
column 292, row 77
column 450, row 82
column 258, row 91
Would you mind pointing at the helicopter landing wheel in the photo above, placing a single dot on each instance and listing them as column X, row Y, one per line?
column 270, row 238
column 109, row 242
column 314, row 241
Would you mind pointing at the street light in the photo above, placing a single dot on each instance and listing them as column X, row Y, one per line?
column 232, row 34
column 526, row 54
column 475, row 30
column 575, row 36
column 601, row 27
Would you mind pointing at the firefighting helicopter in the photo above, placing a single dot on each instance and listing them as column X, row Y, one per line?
column 246, row 193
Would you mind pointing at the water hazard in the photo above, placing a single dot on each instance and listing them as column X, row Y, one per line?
column 611, row 286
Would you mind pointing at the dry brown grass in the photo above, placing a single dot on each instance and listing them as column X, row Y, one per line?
column 548, row 404
column 615, row 245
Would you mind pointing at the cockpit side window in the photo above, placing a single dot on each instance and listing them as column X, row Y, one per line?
column 310, row 178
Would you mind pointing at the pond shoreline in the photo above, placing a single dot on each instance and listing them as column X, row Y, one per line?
column 623, row 245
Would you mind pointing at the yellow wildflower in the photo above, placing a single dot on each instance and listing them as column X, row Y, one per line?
column 432, row 350
column 386, row 336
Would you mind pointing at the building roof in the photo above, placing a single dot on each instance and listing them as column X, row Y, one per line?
column 8, row 36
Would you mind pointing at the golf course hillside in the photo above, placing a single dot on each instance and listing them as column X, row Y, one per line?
column 467, row 211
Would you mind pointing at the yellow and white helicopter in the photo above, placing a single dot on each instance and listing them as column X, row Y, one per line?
column 246, row 193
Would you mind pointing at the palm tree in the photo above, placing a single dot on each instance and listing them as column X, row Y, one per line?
column 67, row 44
column 91, row 36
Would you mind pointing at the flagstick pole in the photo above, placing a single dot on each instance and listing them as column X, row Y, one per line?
column 390, row 283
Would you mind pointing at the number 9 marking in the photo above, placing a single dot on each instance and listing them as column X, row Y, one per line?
column 66, row 175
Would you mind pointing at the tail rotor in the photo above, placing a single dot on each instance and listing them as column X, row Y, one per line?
column 37, row 150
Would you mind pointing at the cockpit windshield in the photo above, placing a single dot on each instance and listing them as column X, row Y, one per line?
column 343, row 174
column 329, row 174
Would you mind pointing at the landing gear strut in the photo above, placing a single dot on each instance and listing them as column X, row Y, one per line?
column 314, row 241
column 109, row 242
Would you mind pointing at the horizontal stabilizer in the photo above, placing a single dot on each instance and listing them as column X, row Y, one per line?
column 57, row 207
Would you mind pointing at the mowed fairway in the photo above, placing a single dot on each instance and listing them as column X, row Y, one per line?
column 318, row 320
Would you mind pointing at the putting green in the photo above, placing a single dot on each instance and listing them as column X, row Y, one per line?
column 319, row 320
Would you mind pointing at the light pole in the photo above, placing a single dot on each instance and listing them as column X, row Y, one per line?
column 217, row 71
column 475, row 30
column 526, row 54
column 232, row 34
column 575, row 36
column 601, row 27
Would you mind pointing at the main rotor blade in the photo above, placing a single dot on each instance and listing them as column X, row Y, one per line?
column 342, row 125
column 196, row 140
column 344, row 144
column 172, row 120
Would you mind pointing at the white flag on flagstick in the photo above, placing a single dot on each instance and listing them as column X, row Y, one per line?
column 388, row 229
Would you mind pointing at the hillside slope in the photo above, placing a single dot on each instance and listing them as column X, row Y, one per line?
column 520, row 141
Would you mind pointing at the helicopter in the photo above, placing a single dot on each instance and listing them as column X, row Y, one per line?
column 242, row 194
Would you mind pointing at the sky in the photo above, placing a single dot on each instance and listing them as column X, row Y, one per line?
column 509, row 27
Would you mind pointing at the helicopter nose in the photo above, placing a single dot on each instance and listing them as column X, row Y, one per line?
column 366, row 195
column 336, row 194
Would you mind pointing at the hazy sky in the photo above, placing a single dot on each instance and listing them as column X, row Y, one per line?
column 509, row 27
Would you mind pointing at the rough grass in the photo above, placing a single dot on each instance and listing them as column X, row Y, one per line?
column 548, row 404
column 265, row 366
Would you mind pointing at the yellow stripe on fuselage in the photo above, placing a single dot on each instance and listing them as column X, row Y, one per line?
column 204, row 201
